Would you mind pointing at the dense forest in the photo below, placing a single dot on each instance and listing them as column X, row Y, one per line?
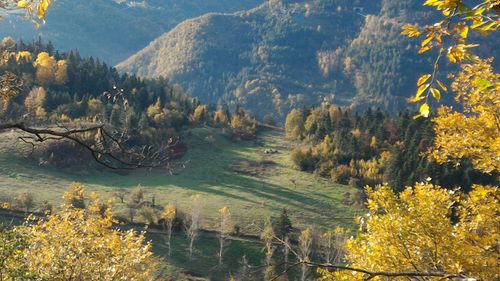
column 64, row 88
column 372, row 147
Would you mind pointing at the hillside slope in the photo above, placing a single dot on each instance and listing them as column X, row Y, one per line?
column 288, row 54
column 112, row 30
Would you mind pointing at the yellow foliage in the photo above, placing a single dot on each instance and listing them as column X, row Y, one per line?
column 169, row 212
column 474, row 134
column 294, row 124
column 450, row 37
column 220, row 118
column 200, row 114
column 61, row 74
column 75, row 196
column 24, row 55
column 415, row 231
column 80, row 244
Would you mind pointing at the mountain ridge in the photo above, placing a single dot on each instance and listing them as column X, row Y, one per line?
column 113, row 30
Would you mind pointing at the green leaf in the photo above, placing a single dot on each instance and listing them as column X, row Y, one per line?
column 482, row 83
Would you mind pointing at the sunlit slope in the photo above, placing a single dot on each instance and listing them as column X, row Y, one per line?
column 252, row 184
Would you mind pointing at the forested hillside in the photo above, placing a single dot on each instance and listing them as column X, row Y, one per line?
column 373, row 148
column 287, row 54
column 66, row 90
column 112, row 30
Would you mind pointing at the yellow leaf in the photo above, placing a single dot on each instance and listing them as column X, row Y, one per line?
column 423, row 79
column 424, row 110
column 22, row 4
column 464, row 32
column 424, row 49
column 436, row 93
column 43, row 6
column 443, row 87
column 427, row 39
column 421, row 90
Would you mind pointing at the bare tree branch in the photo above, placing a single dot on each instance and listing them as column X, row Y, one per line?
column 107, row 149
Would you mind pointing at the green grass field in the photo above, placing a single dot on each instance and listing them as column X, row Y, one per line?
column 223, row 173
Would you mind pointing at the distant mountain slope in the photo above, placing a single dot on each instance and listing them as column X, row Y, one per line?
column 286, row 54
column 114, row 29
column 278, row 55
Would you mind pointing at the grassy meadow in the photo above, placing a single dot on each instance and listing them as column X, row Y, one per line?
column 252, row 184
column 240, row 176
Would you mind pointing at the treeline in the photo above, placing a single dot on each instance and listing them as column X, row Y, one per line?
column 65, row 88
column 372, row 148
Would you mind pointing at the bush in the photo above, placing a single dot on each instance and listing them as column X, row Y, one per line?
column 304, row 159
column 342, row 174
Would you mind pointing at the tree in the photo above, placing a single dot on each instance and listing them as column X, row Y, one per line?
column 120, row 194
column 46, row 67
column 168, row 216
column 305, row 248
column 282, row 226
column 294, row 124
column 193, row 222
column 200, row 115
column 450, row 36
column 81, row 244
column 426, row 230
column 332, row 245
column 26, row 200
column 12, row 246
column 35, row 100
column 75, row 196
column 35, row 9
column 225, row 229
column 137, row 195
column 268, row 236
column 475, row 133
column 148, row 214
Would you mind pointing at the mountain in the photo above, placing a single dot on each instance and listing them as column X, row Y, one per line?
column 112, row 30
column 285, row 54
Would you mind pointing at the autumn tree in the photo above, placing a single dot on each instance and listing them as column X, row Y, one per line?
column 305, row 249
column 168, row 216
column 475, row 132
column 137, row 195
column 225, row 229
column 192, row 226
column 75, row 196
column 426, row 230
column 26, row 200
column 81, row 244
column 46, row 67
column 200, row 115
column 294, row 124
column 148, row 214
column 268, row 236
column 332, row 245
column 35, row 102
